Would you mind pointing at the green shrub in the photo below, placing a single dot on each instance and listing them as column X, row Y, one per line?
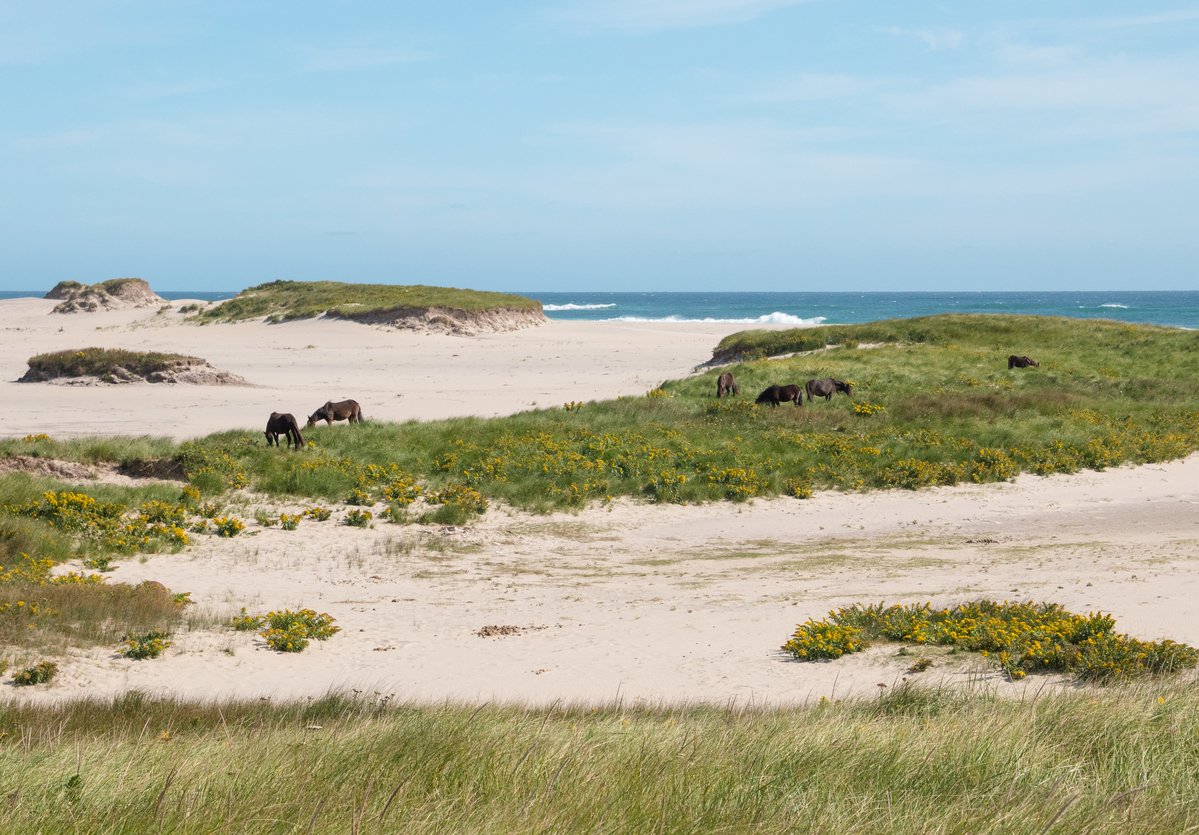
column 40, row 673
column 146, row 645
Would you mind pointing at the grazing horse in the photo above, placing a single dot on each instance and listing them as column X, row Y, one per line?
column 725, row 384
column 281, row 423
column 826, row 388
column 775, row 395
column 342, row 410
column 1021, row 362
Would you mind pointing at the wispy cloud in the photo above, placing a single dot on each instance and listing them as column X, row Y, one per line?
column 641, row 16
column 937, row 38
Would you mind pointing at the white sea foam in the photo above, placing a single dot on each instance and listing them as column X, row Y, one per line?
column 572, row 306
column 775, row 318
column 1113, row 304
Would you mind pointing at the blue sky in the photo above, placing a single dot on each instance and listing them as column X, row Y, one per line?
column 602, row 144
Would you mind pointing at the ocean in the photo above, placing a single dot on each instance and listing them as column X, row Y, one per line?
column 1172, row 308
column 1178, row 308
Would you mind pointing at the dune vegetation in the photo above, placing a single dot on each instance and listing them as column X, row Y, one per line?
column 282, row 301
column 937, row 410
column 1117, row 760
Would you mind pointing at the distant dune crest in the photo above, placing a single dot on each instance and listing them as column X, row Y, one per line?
column 115, row 294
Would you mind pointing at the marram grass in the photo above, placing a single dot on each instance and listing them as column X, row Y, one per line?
column 1119, row 760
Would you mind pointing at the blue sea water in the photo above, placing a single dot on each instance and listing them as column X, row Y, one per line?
column 1178, row 308
column 1171, row 308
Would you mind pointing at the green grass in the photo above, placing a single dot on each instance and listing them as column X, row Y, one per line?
column 281, row 301
column 913, row 761
column 104, row 363
column 945, row 409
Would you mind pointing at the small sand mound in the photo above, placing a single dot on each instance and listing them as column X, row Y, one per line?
column 91, row 366
column 117, row 294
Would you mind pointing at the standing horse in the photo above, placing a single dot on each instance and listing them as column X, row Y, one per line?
column 282, row 423
column 775, row 395
column 342, row 410
column 826, row 388
column 1021, row 362
column 725, row 384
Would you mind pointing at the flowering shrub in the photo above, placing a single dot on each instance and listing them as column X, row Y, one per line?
column 147, row 645
column 41, row 436
column 467, row 498
column 739, row 483
column 228, row 526
column 103, row 525
column 1022, row 637
column 358, row 518
column 819, row 639
column 289, row 521
column 288, row 631
column 868, row 409
column 320, row 514
column 40, row 673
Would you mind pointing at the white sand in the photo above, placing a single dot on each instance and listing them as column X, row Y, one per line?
column 640, row 603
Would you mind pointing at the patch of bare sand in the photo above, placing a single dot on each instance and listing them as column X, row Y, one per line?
column 651, row 604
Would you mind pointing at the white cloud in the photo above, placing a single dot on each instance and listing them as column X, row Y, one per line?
column 641, row 16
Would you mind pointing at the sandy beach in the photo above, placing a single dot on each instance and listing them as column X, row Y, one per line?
column 634, row 602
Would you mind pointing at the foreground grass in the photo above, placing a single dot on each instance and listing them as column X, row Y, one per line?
column 281, row 301
column 1120, row 760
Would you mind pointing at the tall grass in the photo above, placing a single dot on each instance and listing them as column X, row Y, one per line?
column 912, row 761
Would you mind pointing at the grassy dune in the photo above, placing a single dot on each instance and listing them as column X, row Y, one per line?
column 941, row 410
column 1120, row 760
column 281, row 301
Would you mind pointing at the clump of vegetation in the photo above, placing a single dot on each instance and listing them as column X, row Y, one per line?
column 107, row 527
column 110, row 364
column 228, row 526
column 145, row 645
column 1021, row 637
column 288, row 631
column 282, row 301
column 359, row 518
column 40, row 673
column 289, row 521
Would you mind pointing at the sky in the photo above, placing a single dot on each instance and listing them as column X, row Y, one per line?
column 602, row 144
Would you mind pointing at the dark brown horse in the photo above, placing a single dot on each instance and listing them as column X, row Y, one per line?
column 775, row 395
column 342, row 410
column 1021, row 362
column 726, row 385
column 827, row 387
column 281, row 423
